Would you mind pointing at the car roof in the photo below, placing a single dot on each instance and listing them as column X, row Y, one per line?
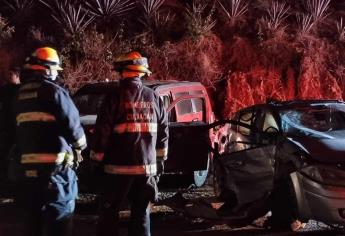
column 279, row 105
column 98, row 87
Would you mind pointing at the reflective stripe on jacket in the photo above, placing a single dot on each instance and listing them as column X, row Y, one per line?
column 131, row 130
column 34, row 116
column 47, row 158
column 135, row 128
column 48, row 123
column 131, row 170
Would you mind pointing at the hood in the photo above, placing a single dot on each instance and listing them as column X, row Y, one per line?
column 326, row 150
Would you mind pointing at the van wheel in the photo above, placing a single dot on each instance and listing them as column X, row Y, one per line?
column 200, row 176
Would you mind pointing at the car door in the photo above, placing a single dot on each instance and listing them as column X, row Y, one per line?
column 247, row 169
column 242, row 137
column 189, row 141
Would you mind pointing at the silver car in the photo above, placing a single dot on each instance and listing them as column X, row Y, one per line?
column 288, row 157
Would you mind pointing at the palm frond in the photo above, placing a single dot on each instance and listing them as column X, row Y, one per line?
column 277, row 13
column 199, row 19
column 109, row 8
column 341, row 29
column 305, row 23
column 156, row 21
column 151, row 7
column 19, row 6
column 72, row 18
column 318, row 9
column 163, row 20
column 233, row 9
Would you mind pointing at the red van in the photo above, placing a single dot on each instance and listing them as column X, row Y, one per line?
column 188, row 107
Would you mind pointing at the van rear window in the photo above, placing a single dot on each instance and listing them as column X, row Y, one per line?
column 198, row 104
column 185, row 106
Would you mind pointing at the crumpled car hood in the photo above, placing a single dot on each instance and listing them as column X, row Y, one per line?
column 329, row 151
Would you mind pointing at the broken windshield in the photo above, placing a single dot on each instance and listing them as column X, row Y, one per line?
column 317, row 120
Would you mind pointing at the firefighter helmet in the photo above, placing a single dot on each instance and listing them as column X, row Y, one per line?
column 132, row 65
column 44, row 60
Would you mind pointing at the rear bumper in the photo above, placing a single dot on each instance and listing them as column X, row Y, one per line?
column 319, row 202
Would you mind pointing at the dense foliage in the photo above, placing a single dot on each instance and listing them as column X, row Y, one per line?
column 244, row 51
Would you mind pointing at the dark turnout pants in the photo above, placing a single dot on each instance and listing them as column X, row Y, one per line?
column 139, row 190
column 48, row 203
column 4, row 151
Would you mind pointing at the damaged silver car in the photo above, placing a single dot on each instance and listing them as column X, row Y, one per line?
column 287, row 157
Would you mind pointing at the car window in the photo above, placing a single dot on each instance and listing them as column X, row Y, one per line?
column 246, row 118
column 185, row 106
column 88, row 104
column 270, row 124
column 199, row 109
column 190, row 109
column 312, row 121
column 198, row 104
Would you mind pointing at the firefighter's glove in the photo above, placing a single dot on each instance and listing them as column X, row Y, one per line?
column 160, row 167
column 78, row 158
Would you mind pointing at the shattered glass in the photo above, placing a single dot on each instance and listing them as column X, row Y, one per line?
column 315, row 121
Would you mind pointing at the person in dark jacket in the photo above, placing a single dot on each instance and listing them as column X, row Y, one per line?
column 131, row 142
column 7, row 124
column 48, row 128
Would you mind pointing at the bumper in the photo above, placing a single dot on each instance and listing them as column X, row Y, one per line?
column 319, row 202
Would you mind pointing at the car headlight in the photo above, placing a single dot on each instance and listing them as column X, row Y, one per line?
column 329, row 175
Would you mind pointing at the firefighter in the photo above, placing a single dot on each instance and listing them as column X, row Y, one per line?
column 7, row 124
column 47, row 130
column 131, row 142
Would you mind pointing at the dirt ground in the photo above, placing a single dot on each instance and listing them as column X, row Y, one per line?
column 164, row 220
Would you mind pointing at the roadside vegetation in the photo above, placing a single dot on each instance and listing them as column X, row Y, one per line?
column 245, row 52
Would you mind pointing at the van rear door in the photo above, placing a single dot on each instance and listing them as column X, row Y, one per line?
column 189, row 141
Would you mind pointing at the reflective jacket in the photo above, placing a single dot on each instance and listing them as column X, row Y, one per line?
column 131, row 130
column 48, row 124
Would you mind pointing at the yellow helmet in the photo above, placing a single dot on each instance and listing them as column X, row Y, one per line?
column 44, row 58
column 132, row 65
